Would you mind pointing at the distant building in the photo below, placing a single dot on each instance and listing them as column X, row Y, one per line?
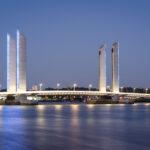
column 34, row 88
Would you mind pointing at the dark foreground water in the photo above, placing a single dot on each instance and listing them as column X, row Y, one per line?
column 75, row 127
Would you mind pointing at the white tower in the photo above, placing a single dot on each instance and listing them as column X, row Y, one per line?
column 11, row 64
column 102, row 69
column 21, row 62
column 115, row 67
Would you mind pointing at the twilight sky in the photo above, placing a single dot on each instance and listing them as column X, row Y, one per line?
column 63, row 37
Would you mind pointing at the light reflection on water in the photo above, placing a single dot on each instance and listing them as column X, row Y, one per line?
column 58, row 107
column 75, row 127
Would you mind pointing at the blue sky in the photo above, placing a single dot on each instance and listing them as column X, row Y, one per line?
column 63, row 37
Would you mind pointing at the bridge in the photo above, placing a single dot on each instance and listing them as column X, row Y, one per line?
column 16, row 74
column 76, row 93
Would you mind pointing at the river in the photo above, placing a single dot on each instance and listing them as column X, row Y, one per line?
column 75, row 127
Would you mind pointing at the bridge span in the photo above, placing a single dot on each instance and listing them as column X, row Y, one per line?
column 75, row 93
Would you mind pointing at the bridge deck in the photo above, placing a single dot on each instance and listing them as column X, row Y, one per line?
column 86, row 93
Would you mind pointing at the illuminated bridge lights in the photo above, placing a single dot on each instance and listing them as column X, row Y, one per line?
column 85, row 93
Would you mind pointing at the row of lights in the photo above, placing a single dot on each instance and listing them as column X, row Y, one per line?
column 58, row 86
column 134, row 89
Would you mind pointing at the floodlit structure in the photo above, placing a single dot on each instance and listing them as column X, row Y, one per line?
column 102, row 69
column 115, row 67
column 21, row 62
column 11, row 64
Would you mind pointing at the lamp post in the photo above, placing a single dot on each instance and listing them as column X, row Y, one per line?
column 90, row 86
column 121, row 89
column 74, row 86
column 40, row 86
column 0, row 86
column 58, row 85
column 108, row 88
column 146, row 90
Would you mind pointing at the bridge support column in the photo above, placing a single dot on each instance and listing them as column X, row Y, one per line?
column 102, row 69
column 11, row 64
column 115, row 67
column 21, row 62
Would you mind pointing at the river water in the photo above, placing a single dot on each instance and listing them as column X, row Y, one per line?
column 75, row 127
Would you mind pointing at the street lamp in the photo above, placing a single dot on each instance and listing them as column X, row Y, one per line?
column 122, row 89
column 58, row 85
column 40, row 86
column 90, row 86
column 0, row 86
column 134, row 90
column 74, row 86
column 146, row 90
column 108, row 88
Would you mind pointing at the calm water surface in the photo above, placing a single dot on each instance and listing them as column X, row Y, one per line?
column 75, row 127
